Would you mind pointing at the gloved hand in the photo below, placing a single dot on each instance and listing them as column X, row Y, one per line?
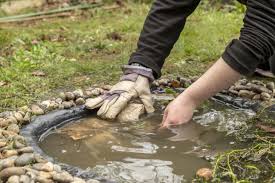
column 135, row 83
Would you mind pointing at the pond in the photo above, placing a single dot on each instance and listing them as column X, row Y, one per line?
column 140, row 151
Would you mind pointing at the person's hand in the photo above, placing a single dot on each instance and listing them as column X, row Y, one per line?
column 179, row 111
column 135, row 83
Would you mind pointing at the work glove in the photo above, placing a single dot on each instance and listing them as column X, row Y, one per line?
column 134, row 84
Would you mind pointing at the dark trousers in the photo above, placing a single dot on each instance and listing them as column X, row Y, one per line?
column 166, row 21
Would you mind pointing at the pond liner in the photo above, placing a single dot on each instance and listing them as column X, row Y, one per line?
column 40, row 126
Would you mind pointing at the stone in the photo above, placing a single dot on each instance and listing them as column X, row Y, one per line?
column 63, row 177
column 265, row 96
column 8, row 162
column 57, row 168
column 68, row 104
column 25, row 159
column 163, row 82
column 11, row 120
column 80, row 101
column 78, row 93
column 205, row 173
column 107, row 87
column 8, row 172
column 25, row 179
column 270, row 86
column 257, row 82
column 59, row 100
column 9, row 153
column 93, row 181
column 13, row 179
column 243, row 81
column 46, row 167
column 13, row 128
column 175, row 84
column 27, row 117
column 46, row 175
column 259, row 89
column 4, row 123
column 245, row 94
column 257, row 97
column 18, row 116
column 46, row 104
column 36, row 110
column 96, row 92
column 241, row 87
column 69, row 96
column 131, row 113
column 39, row 158
column 25, row 150
column 25, row 109
column 18, row 145
column 43, row 180
column 62, row 96
column 3, row 143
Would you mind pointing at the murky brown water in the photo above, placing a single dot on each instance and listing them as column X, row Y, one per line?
column 139, row 152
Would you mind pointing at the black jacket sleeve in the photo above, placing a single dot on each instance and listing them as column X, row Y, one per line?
column 161, row 30
column 257, row 39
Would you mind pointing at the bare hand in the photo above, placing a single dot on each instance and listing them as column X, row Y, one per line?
column 178, row 112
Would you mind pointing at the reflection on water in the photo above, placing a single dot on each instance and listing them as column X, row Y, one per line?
column 140, row 152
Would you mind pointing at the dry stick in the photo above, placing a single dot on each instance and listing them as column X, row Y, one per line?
column 41, row 17
column 60, row 10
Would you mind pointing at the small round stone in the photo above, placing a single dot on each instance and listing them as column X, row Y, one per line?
column 14, row 179
column 36, row 110
column 24, row 179
column 80, row 101
column 46, row 167
column 270, row 86
column 25, row 159
column 13, row 128
column 69, row 96
column 62, row 177
column 18, row 116
column 8, row 172
column 9, row 153
column 78, row 93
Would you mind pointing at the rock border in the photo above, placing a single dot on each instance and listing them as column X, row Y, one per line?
column 22, row 163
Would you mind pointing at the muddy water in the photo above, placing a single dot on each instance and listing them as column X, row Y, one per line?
column 140, row 152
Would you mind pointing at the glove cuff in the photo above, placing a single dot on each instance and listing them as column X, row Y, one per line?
column 138, row 70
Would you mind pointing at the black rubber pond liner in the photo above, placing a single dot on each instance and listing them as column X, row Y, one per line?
column 40, row 125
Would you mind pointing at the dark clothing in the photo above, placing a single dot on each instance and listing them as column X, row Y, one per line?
column 167, row 18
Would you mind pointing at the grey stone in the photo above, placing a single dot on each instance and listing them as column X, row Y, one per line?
column 8, row 162
column 25, row 159
column 25, row 179
column 25, row 150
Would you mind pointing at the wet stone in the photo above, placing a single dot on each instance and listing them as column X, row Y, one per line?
column 25, row 159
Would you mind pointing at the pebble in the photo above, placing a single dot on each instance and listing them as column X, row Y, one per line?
column 13, row 128
column 46, row 167
column 80, row 101
column 9, row 153
column 246, row 94
column 265, row 96
column 3, row 123
column 46, row 175
column 78, row 93
column 256, row 97
column 36, row 110
column 11, row 120
column 68, row 104
column 205, row 173
column 8, row 172
column 107, row 87
column 18, row 116
column 43, row 180
column 62, row 177
column 14, row 179
column 270, row 86
column 24, row 179
column 25, row 150
column 8, row 162
column 25, row 159
column 69, row 96
column 27, row 117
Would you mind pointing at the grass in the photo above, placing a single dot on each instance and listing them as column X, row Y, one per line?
column 76, row 51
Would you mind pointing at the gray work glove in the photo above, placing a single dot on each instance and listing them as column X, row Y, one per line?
column 135, row 83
